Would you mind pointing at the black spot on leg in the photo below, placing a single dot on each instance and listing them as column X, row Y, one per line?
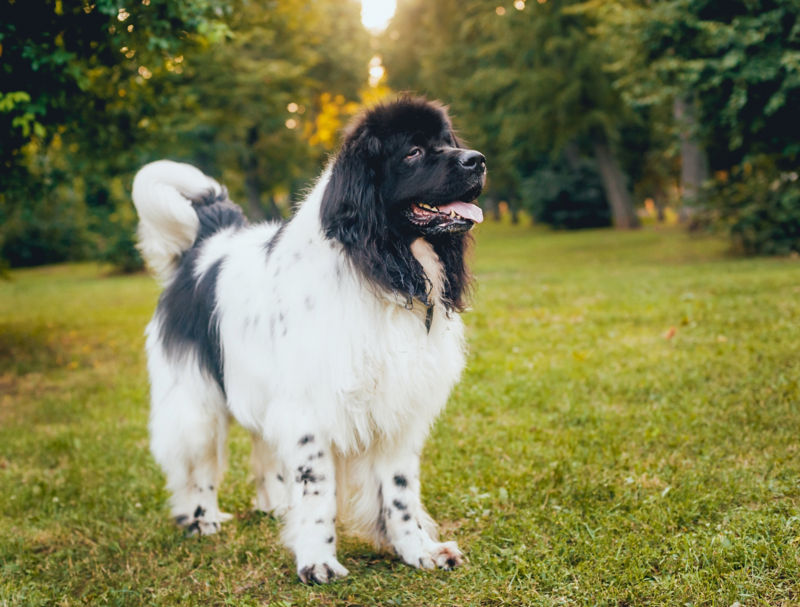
column 199, row 511
column 400, row 480
column 181, row 519
column 305, row 474
column 329, row 540
column 319, row 521
column 211, row 487
column 406, row 517
column 399, row 505
column 280, row 478
column 195, row 526
column 308, row 438
column 320, row 454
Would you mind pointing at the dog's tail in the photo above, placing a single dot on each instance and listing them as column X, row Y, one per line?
column 167, row 196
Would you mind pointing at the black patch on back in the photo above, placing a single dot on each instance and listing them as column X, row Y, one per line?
column 216, row 212
column 187, row 306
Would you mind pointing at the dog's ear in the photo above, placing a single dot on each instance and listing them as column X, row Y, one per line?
column 351, row 210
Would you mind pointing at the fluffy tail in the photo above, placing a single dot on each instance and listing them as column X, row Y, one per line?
column 163, row 192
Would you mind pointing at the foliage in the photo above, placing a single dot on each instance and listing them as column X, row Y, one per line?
column 525, row 82
column 739, row 60
column 759, row 207
column 621, row 436
column 567, row 197
column 198, row 80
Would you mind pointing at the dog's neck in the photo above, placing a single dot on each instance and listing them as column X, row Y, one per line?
column 423, row 252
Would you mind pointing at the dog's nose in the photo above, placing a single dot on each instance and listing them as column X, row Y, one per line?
column 470, row 159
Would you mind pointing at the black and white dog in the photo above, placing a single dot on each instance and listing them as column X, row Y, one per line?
column 334, row 338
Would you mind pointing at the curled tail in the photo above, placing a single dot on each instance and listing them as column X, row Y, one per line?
column 169, row 197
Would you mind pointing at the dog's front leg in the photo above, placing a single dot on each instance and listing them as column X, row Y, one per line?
column 403, row 522
column 310, row 522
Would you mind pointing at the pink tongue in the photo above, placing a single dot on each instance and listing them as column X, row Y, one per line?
column 463, row 209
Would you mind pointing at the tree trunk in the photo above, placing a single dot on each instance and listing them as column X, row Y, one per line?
column 694, row 164
column 252, row 186
column 614, row 184
column 252, row 178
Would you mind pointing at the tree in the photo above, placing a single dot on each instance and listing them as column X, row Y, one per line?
column 255, row 97
column 731, row 71
column 74, row 88
column 93, row 91
column 529, row 81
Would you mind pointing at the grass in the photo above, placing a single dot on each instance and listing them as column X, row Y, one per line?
column 626, row 433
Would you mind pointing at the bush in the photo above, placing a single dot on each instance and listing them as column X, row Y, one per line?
column 567, row 198
column 41, row 222
column 759, row 208
column 114, row 230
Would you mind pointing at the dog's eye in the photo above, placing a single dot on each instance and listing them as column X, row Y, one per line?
column 414, row 152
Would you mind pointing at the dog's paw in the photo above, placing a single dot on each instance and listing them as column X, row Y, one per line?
column 443, row 556
column 199, row 523
column 321, row 573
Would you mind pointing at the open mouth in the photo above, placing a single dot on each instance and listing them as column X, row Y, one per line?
column 456, row 216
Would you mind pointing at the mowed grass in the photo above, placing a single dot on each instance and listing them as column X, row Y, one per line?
column 626, row 433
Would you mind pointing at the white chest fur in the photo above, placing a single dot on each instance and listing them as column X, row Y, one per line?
column 306, row 338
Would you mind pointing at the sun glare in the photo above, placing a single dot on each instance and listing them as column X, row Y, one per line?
column 376, row 14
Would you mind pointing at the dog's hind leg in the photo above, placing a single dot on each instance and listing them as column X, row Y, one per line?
column 310, row 520
column 188, row 430
column 272, row 486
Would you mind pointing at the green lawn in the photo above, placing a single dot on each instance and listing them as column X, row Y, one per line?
column 627, row 433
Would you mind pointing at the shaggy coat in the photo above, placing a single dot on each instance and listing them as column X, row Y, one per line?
column 333, row 338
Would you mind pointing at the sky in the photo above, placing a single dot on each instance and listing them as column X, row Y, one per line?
column 375, row 14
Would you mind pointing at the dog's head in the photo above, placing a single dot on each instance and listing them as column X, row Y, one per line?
column 401, row 174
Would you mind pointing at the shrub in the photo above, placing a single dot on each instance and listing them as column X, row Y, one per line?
column 568, row 198
column 41, row 222
column 759, row 208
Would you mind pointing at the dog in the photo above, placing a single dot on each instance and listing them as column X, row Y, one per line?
column 334, row 338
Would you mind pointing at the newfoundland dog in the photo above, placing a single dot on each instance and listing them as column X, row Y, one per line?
column 333, row 338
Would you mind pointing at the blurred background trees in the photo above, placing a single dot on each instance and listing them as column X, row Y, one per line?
column 651, row 97
column 589, row 111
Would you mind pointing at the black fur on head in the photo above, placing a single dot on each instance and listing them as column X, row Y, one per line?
column 401, row 174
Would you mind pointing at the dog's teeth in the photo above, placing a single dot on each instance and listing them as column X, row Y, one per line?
column 453, row 214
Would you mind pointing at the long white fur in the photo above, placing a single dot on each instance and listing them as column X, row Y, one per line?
column 167, row 223
column 308, row 350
